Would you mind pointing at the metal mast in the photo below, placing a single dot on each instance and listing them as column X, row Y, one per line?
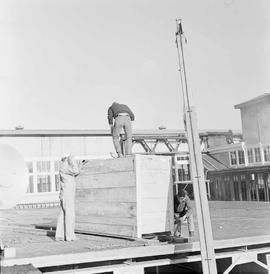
column 196, row 164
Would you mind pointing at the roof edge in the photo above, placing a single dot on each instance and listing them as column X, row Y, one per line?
column 263, row 97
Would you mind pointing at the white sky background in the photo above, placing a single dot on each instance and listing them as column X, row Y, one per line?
column 63, row 62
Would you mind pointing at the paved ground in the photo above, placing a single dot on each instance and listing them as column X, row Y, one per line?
column 239, row 219
column 229, row 220
column 17, row 229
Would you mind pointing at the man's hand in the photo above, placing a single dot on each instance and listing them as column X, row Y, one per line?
column 176, row 217
column 185, row 218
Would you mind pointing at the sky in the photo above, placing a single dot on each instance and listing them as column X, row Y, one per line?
column 63, row 62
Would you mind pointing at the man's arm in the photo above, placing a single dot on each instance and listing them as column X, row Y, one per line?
column 70, row 167
column 188, row 206
column 110, row 116
column 131, row 114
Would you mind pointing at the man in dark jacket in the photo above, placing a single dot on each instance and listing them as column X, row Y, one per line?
column 122, row 116
column 183, row 211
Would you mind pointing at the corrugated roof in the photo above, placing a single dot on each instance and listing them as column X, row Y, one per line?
column 210, row 163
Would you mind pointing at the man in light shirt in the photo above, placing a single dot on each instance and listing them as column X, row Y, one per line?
column 69, row 169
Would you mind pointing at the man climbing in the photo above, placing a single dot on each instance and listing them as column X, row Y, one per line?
column 69, row 169
column 183, row 210
column 122, row 116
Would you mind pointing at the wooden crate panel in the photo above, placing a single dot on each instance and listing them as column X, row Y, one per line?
column 111, row 209
column 154, row 162
column 123, row 194
column 125, row 197
column 112, row 179
column 119, row 230
column 155, row 222
column 156, row 204
column 155, row 192
column 108, row 165
column 106, row 220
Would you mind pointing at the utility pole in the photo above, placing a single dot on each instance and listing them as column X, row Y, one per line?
column 196, row 164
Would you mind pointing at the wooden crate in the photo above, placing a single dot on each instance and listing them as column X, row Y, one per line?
column 126, row 197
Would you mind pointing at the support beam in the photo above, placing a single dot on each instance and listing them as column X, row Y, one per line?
column 145, row 146
column 169, row 145
column 200, row 195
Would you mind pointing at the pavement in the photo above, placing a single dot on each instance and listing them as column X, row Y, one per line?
column 229, row 219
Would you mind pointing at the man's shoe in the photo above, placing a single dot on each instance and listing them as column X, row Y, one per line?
column 177, row 234
column 59, row 239
column 72, row 239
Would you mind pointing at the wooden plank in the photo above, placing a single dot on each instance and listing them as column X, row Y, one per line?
column 154, row 163
column 94, row 256
column 129, row 252
column 121, row 230
column 106, row 220
column 156, row 190
column 106, row 197
column 170, row 207
column 123, row 194
column 22, row 269
column 156, row 176
column 112, row 209
column 200, row 195
column 153, row 174
column 112, row 179
column 138, row 168
column 154, row 222
column 108, row 166
column 154, row 204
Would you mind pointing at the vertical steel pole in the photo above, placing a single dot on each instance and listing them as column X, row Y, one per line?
column 197, row 171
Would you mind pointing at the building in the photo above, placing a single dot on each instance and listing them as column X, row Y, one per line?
column 43, row 149
column 243, row 173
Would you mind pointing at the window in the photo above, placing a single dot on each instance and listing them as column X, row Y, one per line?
column 227, row 184
column 250, row 156
column 257, row 154
column 243, row 186
column 43, row 166
column 266, row 152
column 241, row 157
column 233, row 158
column 236, row 187
column 182, row 158
column 30, row 166
column 183, row 172
column 57, row 182
column 56, row 166
column 261, row 189
column 44, row 180
column 30, row 188
column 43, row 183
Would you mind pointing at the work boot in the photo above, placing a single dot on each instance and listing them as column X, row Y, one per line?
column 59, row 239
column 72, row 239
column 177, row 234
